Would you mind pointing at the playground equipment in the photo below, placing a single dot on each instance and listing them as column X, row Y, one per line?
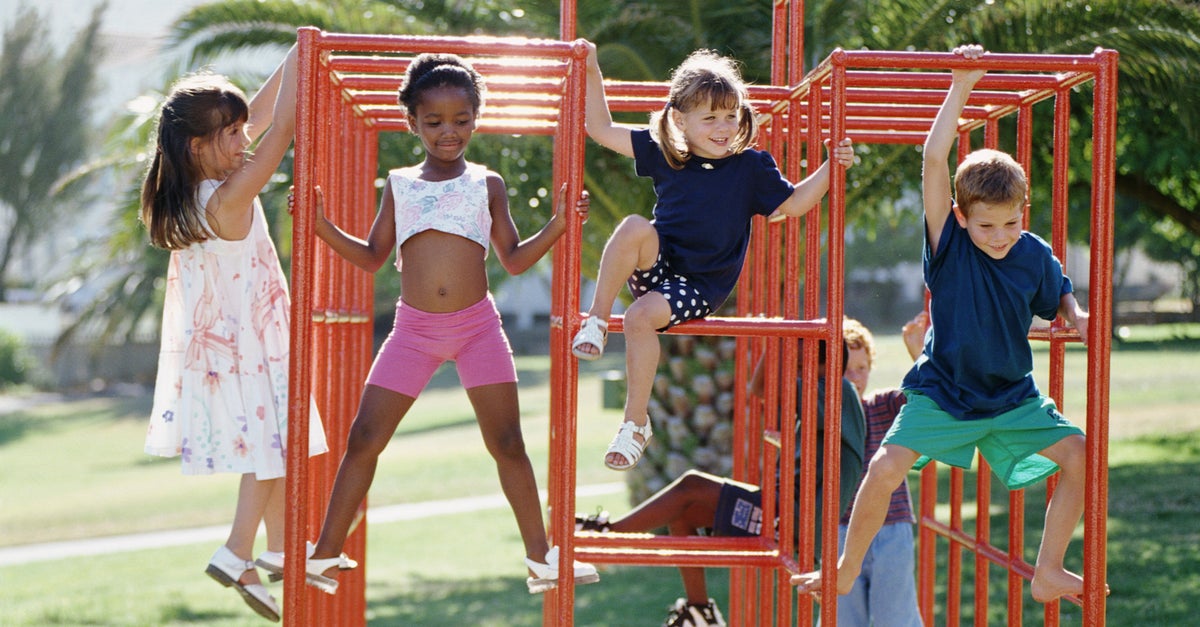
column 347, row 98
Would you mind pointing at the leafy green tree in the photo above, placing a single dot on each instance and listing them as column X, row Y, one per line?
column 44, row 108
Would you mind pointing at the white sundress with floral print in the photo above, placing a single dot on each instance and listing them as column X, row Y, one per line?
column 221, row 394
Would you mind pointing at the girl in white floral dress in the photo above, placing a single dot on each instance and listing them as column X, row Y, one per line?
column 220, row 400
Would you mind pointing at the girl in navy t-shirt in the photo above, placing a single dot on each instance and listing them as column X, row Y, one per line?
column 684, row 262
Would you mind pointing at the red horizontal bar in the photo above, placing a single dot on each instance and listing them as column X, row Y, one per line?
column 1055, row 332
column 619, row 89
column 987, row 552
column 391, row 84
column 941, row 80
column 949, row 60
column 507, row 46
column 494, row 99
column 485, row 126
column 396, row 66
column 740, row 327
column 889, row 138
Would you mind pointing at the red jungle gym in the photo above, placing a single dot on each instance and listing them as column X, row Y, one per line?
column 348, row 86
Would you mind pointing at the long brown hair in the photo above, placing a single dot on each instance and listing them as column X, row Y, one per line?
column 704, row 79
column 198, row 106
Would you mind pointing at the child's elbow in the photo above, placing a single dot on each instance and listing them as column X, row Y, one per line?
column 514, row 268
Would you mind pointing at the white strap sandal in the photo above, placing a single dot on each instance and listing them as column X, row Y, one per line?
column 629, row 448
column 314, row 571
column 227, row 569
column 592, row 332
column 546, row 575
column 272, row 562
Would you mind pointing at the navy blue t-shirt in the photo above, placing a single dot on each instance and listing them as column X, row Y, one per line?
column 977, row 362
column 703, row 211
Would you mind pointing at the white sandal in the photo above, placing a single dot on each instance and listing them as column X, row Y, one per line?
column 546, row 575
column 592, row 332
column 272, row 562
column 623, row 444
column 314, row 571
column 227, row 568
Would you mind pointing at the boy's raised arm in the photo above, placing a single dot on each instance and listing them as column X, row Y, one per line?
column 935, row 175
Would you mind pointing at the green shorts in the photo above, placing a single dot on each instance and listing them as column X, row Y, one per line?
column 1009, row 442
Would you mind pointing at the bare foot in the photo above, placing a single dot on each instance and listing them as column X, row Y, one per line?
column 1051, row 583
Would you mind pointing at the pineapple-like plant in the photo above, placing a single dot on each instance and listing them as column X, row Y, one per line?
column 691, row 409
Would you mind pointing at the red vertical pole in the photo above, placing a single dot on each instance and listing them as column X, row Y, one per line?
column 834, row 313
column 1058, row 242
column 983, row 478
column 811, row 304
column 567, row 18
column 779, row 40
column 299, row 390
column 983, row 538
column 927, row 543
column 795, row 40
column 559, row 604
column 1016, row 498
column 1095, row 519
column 954, row 556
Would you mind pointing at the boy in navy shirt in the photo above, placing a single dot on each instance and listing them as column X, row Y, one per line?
column 972, row 386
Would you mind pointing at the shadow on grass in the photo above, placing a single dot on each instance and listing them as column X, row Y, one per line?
column 180, row 613
column 45, row 417
column 15, row 426
column 623, row 596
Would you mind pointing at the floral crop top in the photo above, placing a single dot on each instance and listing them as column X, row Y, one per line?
column 458, row 206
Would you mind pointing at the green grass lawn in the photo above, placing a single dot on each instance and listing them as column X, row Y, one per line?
column 75, row 470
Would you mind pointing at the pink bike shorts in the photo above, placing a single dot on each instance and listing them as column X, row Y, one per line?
column 421, row 341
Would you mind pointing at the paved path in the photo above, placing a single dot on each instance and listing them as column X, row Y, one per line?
column 11, row 556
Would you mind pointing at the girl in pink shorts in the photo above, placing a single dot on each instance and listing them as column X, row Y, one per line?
column 440, row 216
column 420, row 342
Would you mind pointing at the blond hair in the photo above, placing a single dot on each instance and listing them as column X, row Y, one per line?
column 989, row 176
column 704, row 79
column 856, row 335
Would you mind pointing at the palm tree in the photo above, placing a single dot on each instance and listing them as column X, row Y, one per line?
column 43, row 128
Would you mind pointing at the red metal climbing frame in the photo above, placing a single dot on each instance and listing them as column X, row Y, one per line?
column 348, row 89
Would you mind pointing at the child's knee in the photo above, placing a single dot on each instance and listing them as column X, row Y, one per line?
column 634, row 225
column 647, row 314
column 367, row 438
column 693, row 480
column 889, row 465
column 1070, row 453
column 508, row 444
